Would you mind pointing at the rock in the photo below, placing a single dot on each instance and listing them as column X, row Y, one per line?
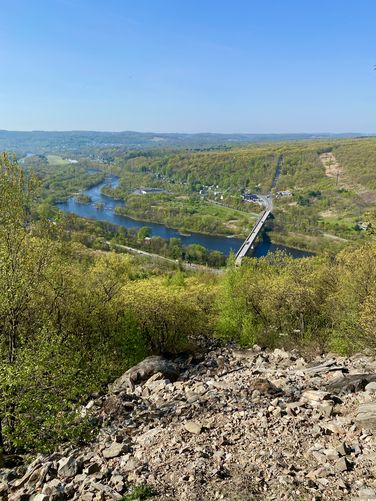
column 351, row 383
column 117, row 482
column 131, row 464
column 115, row 450
column 149, row 438
column 3, row 490
column 342, row 449
column 106, row 490
column 366, row 416
column 281, row 354
column 92, row 468
column 316, row 395
column 366, row 494
column 341, row 464
column 67, row 467
column 272, row 429
column 54, row 489
column 40, row 497
column 371, row 387
column 193, row 427
column 326, row 408
column 145, row 370
column 264, row 386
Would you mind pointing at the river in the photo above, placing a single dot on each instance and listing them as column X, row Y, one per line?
column 210, row 242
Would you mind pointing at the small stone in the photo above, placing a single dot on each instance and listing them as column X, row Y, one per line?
column 316, row 395
column 366, row 494
column 371, row 387
column 131, row 465
column 326, row 408
column 342, row 449
column 40, row 497
column 92, row 468
column 331, row 453
column 115, row 450
column 193, row 427
column 366, row 416
column 341, row 465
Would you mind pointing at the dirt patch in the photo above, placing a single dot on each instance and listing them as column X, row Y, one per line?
column 332, row 167
column 328, row 213
column 368, row 197
column 232, row 224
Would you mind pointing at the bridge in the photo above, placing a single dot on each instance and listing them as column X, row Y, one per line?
column 268, row 206
column 248, row 242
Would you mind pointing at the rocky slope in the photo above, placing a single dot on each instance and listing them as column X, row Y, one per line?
column 233, row 425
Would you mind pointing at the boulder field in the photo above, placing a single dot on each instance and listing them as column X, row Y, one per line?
column 230, row 424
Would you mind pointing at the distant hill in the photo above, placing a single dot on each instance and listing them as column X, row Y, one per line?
column 39, row 142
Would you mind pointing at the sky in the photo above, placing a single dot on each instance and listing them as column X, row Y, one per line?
column 253, row 66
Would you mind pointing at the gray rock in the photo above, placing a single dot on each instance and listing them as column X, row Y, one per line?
column 351, row 383
column 366, row 494
column 92, row 468
column 131, row 465
column 366, row 416
column 144, row 371
column 115, row 450
column 54, row 490
column 341, row 465
column 67, row 467
column 149, row 438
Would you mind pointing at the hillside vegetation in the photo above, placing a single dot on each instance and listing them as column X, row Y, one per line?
column 72, row 319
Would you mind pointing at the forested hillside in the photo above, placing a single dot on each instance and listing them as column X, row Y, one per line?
column 72, row 319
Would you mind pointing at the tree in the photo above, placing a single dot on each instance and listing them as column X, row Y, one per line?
column 23, row 260
column 144, row 232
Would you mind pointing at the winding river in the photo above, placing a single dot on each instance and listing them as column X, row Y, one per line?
column 210, row 242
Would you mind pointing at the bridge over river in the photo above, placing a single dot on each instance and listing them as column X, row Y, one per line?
column 268, row 206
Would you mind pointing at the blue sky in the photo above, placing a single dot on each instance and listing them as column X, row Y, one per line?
column 188, row 66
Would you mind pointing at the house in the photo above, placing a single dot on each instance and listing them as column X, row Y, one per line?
column 286, row 193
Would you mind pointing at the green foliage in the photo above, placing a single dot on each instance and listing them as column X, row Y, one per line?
column 140, row 492
column 144, row 232
column 315, row 303
column 72, row 319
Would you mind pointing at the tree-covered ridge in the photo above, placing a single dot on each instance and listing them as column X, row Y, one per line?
column 235, row 169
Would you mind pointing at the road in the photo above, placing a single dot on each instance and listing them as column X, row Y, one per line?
column 150, row 255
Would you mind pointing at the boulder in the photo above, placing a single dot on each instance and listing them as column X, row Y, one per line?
column 144, row 371
column 350, row 383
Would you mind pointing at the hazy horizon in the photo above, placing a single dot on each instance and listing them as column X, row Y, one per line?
column 164, row 66
column 235, row 133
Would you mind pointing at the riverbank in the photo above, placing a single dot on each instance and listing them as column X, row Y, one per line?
column 209, row 241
